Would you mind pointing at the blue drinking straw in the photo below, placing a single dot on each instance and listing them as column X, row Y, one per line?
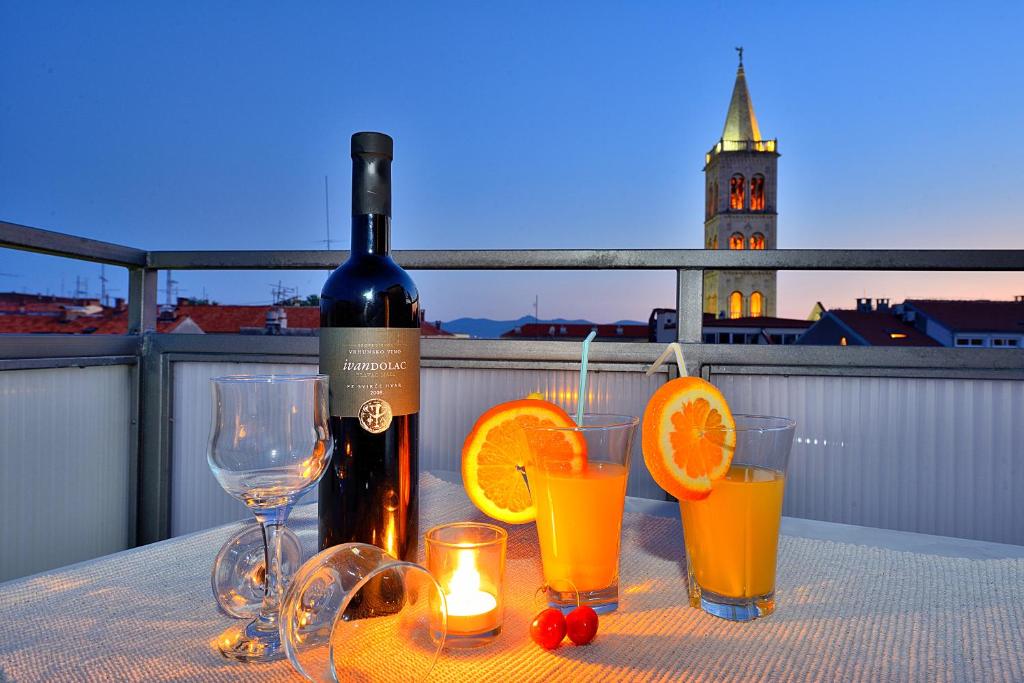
column 583, row 377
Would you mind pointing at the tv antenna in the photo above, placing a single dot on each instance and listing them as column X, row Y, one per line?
column 172, row 289
column 327, row 219
column 81, row 287
column 282, row 294
column 104, row 290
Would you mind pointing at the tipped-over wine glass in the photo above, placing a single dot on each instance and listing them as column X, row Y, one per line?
column 238, row 577
column 269, row 444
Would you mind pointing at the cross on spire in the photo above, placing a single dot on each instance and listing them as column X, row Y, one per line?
column 740, row 51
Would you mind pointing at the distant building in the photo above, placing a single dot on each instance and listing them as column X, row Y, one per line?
column 578, row 332
column 78, row 317
column 740, row 189
column 39, row 314
column 923, row 322
column 970, row 324
column 760, row 330
column 865, row 326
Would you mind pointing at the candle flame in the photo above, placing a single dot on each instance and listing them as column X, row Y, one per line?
column 466, row 578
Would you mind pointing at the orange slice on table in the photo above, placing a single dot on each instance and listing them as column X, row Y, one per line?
column 499, row 446
column 688, row 437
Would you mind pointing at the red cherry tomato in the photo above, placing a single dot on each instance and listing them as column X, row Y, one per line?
column 548, row 628
column 581, row 624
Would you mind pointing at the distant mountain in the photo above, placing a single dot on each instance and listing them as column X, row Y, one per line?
column 485, row 328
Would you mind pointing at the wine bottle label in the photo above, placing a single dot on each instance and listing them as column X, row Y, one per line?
column 375, row 372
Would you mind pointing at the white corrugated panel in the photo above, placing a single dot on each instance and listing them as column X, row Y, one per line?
column 936, row 456
column 197, row 500
column 451, row 400
column 64, row 463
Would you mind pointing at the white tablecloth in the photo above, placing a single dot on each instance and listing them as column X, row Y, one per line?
column 845, row 613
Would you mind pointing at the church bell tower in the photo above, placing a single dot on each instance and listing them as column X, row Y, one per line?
column 740, row 187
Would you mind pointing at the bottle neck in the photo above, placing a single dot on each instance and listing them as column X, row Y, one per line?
column 371, row 235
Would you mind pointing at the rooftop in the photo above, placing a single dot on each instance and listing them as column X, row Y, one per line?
column 605, row 332
column 882, row 328
column 972, row 316
column 762, row 321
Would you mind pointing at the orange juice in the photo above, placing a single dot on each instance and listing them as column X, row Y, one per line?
column 733, row 534
column 579, row 522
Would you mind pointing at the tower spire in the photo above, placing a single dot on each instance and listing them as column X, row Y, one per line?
column 740, row 122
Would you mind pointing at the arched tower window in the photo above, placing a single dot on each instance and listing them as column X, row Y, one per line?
column 737, row 188
column 757, row 241
column 714, row 203
column 715, row 243
column 736, row 241
column 709, row 206
column 756, row 305
column 735, row 305
column 757, row 193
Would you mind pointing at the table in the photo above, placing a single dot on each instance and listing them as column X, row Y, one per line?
column 854, row 604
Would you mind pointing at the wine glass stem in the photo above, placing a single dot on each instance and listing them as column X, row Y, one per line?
column 272, row 524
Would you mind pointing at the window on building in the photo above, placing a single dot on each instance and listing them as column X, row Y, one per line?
column 735, row 305
column 709, row 207
column 736, row 241
column 757, row 241
column 714, row 204
column 756, row 305
column 757, row 193
column 715, row 243
column 842, row 341
column 737, row 190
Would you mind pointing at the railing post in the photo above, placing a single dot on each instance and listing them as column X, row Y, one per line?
column 141, row 300
column 689, row 305
column 153, row 502
column 152, row 418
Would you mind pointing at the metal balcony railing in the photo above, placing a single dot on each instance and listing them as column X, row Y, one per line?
column 152, row 357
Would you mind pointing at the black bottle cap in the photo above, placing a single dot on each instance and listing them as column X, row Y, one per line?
column 372, row 154
column 375, row 144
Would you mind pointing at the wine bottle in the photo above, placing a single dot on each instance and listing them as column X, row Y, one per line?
column 370, row 347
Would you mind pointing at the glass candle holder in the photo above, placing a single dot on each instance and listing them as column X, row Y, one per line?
column 468, row 560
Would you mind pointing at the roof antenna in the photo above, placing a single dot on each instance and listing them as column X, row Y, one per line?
column 740, row 50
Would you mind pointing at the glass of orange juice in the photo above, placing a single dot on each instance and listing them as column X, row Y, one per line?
column 732, row 536
column 579, row 509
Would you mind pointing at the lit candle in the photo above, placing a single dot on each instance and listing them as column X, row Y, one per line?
column 467, row 559
column 470, row 609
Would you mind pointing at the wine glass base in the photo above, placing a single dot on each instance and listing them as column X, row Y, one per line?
column 249, row 644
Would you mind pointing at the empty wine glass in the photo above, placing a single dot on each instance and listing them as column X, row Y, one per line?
column 269, row 444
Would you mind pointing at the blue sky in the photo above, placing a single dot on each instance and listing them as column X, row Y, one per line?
column 517, row 125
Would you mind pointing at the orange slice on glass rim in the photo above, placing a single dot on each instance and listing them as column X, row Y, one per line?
column 499, row 447
column 688, row 437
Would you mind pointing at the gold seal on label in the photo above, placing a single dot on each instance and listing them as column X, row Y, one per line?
column 375, row 415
